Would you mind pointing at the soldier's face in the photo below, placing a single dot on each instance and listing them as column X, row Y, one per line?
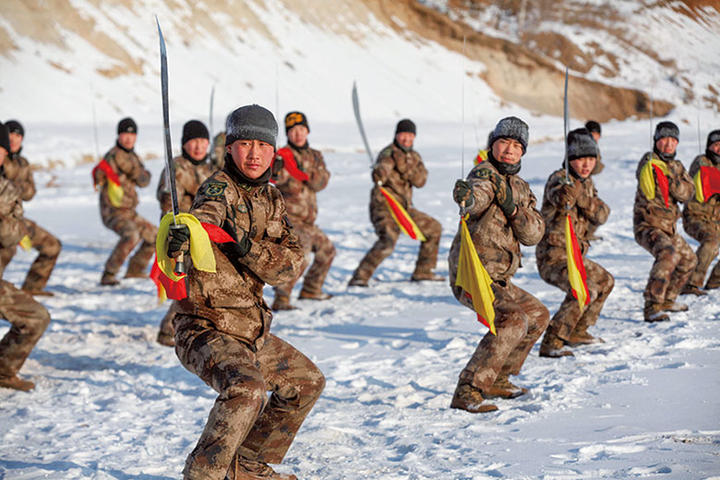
column 15, row 141
column 298, row 135
column 583, row 166
column 251, row 157
column 667, row 145
column 127, row 140
column 405, row 139
column 196, row 148
column 507, row 150
column 715, row 147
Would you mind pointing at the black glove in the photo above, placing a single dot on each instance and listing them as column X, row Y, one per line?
column 236, row 248
column 463, row 193
column 178, row 235
column 503, row 194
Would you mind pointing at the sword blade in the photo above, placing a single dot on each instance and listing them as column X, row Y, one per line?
column 358, row 119
column 566, row 125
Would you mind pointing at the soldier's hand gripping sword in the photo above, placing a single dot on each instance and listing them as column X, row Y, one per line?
column 169, row 169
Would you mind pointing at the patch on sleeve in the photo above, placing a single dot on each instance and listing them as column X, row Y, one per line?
column 483, row 173
column 213, row 189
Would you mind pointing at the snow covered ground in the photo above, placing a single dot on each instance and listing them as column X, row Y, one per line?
column 110, row 403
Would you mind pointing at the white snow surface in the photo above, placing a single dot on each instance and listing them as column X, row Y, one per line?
column 110, row 403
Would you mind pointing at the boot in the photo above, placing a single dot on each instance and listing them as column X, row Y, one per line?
column 503, row 388
column 470, row 399
column 39, row 293
column 654, row 312
column 554, row 347
column 165, row 339
column 357, row 282
column 304, row 295
column 670, row 306
column 16, row 383
column 109, row 279
column 426, row 277
column 246, row 469
column 282, row 302
column 692, row 290
column 583, row 338
column 712, row 283
column 135, row 271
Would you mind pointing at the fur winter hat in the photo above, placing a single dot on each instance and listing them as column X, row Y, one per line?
column 406, row 125
column 4, row 138
column 713, row 137
column 295, row 118
column 580, row 144
column 194, row 129
column 251, row 122
column 666, row 129
column 593, row 126
column 14, row 126
column 127, row 125
column 511, row 127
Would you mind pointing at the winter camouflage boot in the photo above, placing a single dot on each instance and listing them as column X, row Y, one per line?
column 654, row 312
column 503, row 388
column 305, row 295
column 246, row 469
column 470, row 399
column 282, row 302
column 582, row 337
column 16, row 383
column 692, row 290
column 109, row 279
column 426, row 277
column 554, row 347
column 670, row 306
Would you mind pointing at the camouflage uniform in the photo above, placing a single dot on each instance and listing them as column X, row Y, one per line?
column 301, row 202
column 223, row 331
column 124, row 220
column 520, row 318
column 701, row 221
column 189, row 175
column 399, row 171
column 28, row 318
column 17, row 169
column 655, row 229
column 586, row 210
column 217, row 158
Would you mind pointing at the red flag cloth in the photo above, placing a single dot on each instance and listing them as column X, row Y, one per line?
column 216, row 234
column 480, row 318
column 105, row 167
column 662, row 181
column 710, row 181
column 165, row 286
column 291, row 165
column 577, row 276
column 403, row 219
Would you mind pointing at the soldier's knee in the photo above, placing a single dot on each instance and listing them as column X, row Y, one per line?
column 39, row 322
column 53, row 247
column 248, row 393
column 312, row 389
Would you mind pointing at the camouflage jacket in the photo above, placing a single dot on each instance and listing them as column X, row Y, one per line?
column 131, row 172
column 496, row 237
column 653, row 214
column 585, row 208
column 12, row 227
column 16, row 168
column 217, row 155
column 232, row 298
column 399, row 172
column 188, row 178
column 300, row 197
column 707, row 212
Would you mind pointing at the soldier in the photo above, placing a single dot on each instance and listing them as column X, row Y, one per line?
column 662, row 184
column 17, row 169
column 28, row 319
column 222, row 327
column 701, row 220
column 192, row 168
column 577, row 197
column 398, row 169
column 120, row 215
column 299, row 173
column 502, row 215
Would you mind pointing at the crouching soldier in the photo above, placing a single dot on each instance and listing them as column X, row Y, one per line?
column 299, row 173
column 222, row 327
column 398, row 169
column 192, row 168
column 502, row 215
column 28, row 319
column 575, row 196
column 118, row 174
column 662, row 184
column 701, row 220
column 17, row 169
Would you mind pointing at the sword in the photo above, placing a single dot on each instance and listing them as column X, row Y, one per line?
column 566, row 127
column 210, row 119
column 358, row 119
column 169, row 169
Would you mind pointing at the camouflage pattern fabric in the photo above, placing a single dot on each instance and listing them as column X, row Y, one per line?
column 17, row 169
column 188, row 178
column 655, row 229
column 399, row 171
column 313, row 240
column 701, row 220
column 217, row 157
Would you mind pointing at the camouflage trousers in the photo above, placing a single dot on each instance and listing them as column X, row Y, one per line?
column 709, row 239
column 674, row 263
column 167, row 327
column 28, row 320
column 243, row 422
column 48, row 247
column 569, row 319
column 520, row 319
column 388, row 231
column 313, row 240
column 132, row 228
